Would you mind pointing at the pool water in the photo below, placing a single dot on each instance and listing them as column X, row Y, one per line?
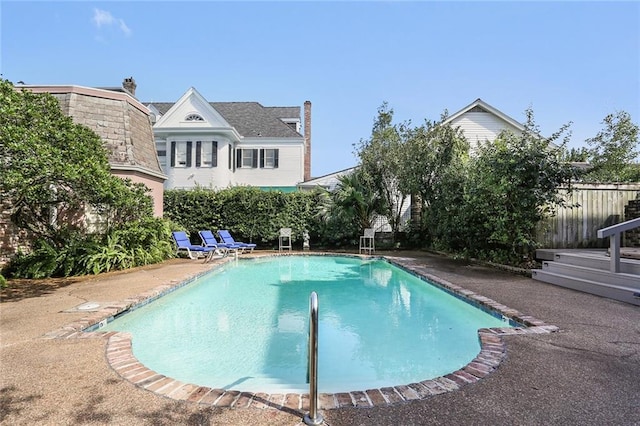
column 245, row 326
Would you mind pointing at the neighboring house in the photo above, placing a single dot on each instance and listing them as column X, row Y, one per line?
column 124, row 125
column 478, row 121
column 222, row 144
column 481, row 122
column 328, row 181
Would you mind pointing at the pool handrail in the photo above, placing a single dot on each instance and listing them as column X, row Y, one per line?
column 313, row 417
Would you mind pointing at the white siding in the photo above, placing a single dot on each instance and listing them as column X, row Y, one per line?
column 481, row 126
column 289, row 172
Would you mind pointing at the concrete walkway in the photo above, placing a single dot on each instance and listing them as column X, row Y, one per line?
column 586, row 374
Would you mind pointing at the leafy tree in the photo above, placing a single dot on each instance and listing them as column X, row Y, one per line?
column 381, row 164
column 576, row 155
column 512, row 184
column 433, row 153
column 614, row 150
column 355, row 199
column 55, row 172
column 53, row 169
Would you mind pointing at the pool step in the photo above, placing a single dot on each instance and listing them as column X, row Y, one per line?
column 269, row 384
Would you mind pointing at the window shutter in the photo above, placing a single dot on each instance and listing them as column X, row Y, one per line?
column 189, row 154
column 231, row 159
column 262, row 158
column 238, row 158
column 255, row 159
column 173, row 153
column 214, row 154
column 198, row 153
column 275, row 158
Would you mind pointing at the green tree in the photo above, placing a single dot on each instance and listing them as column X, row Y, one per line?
column 54, row 173
column 356, row 200
column 433, row 153
column 381, row 164
column 53, row 169
column 614, row 150
column 512, row 184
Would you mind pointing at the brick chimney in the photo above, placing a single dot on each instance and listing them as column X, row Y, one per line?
column 307, row 140
column 129, row 85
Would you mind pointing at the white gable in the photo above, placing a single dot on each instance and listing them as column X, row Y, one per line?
column 482, row 126
column 192, row 111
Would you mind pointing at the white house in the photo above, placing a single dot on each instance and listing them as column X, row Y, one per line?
column 222, row 144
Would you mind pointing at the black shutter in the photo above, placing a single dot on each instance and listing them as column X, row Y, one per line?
column 214, row 154
column 231, row 159
column 198, row 153
column 255, row 159
column 262, row 158
column 188, row 153
column 275, row 158
column 238, row 158
column 173, row 153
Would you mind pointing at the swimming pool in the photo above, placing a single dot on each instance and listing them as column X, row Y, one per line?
column 244, row 326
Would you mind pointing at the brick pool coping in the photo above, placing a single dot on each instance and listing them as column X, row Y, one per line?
column 120, row 356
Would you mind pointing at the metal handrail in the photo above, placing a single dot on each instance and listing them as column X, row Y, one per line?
column 313, row 417
column 614, row 232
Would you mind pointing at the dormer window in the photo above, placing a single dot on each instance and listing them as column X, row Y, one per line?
column 194, row 117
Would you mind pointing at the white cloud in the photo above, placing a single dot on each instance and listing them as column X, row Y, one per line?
column 123, row 27
column 103, row 18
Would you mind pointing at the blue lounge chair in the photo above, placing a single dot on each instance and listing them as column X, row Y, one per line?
column 183, row 244
column 226, row 238
column 209, row 240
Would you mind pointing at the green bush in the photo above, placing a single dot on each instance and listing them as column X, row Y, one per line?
column 135, row 243
column 3, row 281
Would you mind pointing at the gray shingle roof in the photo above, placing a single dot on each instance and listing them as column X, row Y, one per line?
column 250, row 119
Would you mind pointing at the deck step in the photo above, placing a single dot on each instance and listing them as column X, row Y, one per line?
column 617, row 292
column 593, row 274
column 596, row 260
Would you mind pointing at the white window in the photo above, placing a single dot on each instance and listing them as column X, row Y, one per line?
column 181, row 154
column 206, row 154
column 269, row 158
column 193, row 117
column 247, row 158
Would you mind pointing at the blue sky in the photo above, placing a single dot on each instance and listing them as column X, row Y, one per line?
column 568, row 61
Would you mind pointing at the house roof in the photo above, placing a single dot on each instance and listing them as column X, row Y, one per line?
column 328, row 181
column 481, row 106
column 250, row 119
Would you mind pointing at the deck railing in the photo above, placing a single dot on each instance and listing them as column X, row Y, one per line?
column 614, row 233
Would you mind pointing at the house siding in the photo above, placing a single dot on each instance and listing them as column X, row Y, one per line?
column 289, row 172
column 479, row 127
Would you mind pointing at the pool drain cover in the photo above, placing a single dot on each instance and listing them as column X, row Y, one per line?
column 88, row 306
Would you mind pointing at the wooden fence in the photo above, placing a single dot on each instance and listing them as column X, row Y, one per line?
column 598, row 206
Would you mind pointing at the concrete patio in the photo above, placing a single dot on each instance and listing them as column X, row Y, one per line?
column 585, row 374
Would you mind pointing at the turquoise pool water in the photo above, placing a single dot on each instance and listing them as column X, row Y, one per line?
column 245, row 326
